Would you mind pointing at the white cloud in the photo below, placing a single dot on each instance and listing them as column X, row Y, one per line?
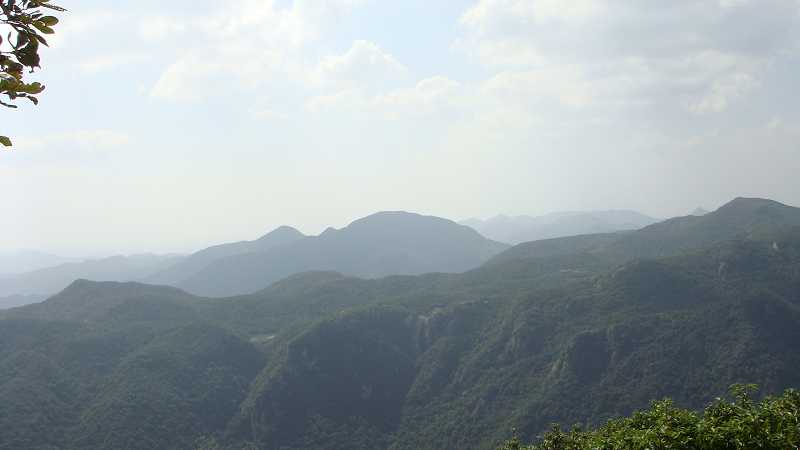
column 160, row 28
column 563, row 84
column 82, row 25
column 109, row 62
column 364, row 63
column 268, row 114
column 723, row 91
column 779, row 126
column 189, row 78
column 348, row 100
column 261, row 43
column 490, row 14
column 702, row 55
column 428, row 96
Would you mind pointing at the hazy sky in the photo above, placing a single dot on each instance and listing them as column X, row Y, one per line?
column 170, row 125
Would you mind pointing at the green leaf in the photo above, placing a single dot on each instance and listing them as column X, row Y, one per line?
column 5, row 141
column 43, row 28
column 49, row 20
column 22, row 39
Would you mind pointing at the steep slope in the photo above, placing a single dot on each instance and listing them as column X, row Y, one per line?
column 50, row 280
column 388, row 243
column 37, row 408
column 185, row 384
column 515, row 230
column 679, row 327
column 372, row 369
column 203, row 258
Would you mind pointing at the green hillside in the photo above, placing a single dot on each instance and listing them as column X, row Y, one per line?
column 578, row 330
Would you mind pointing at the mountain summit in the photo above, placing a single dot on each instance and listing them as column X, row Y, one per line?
column 385, row 243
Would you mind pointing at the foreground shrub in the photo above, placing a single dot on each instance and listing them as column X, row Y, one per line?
column 735, row 423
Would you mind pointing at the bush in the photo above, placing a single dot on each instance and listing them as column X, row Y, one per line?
column 735, row 423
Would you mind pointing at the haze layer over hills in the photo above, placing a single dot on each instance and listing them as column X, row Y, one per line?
column 567, row 330
column 382, row 244
column 50, row 280
column 202, row 259
column 389, row 243
column 515, row 230
column 28, row 260
column 386, row 243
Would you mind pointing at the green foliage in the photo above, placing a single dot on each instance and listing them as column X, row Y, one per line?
column 28, row 21
column 740, row 423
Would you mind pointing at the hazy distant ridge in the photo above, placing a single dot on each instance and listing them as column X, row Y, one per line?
column 385, row 243
column 198, row 261
column 517, row 229
column 50, row 280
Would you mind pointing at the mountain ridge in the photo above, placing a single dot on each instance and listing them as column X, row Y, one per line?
column 381, row 244
column 50, row 280
column 518, row 229
column 199, row 260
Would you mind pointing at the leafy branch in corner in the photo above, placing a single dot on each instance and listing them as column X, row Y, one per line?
column 27, row 21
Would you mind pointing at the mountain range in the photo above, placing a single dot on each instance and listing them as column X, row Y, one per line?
column 386, row 243
column 28, row 260
column 517, row 229
column 50, row 280
column 198, row 261
column 567, row 330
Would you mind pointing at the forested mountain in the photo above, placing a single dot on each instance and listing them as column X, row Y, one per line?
column 382, row 244
column 567, row 330
column 741, row 217
column 50, row 280
column 515, row 230
column 386, row 243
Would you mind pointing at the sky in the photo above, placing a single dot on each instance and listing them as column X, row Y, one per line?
column 168, row 126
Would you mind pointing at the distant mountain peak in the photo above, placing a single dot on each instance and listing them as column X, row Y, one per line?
column 394, row 218
column 751, row 202
column 381, row 244
column 384, row 215
column 328, row 231
column 283, row 235
column 699, row 211
column 283, row 230
column 744, row 207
